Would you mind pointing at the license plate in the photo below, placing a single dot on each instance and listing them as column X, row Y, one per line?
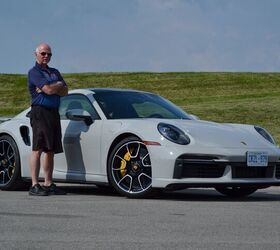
column 257, row 159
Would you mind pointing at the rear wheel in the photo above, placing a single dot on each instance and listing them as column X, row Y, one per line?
column 236, row 191
column 129, row 168
column 10, row 178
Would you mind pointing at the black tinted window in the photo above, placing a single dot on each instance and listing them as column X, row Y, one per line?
column 128, row 104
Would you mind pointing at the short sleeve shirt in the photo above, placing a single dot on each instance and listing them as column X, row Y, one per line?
column 37, row 78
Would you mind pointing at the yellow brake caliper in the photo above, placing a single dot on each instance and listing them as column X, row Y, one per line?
column 123, row 163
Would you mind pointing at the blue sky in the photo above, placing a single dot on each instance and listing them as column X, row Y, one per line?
column 142, row 35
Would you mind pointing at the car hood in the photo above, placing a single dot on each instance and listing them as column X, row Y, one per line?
column 211, row 134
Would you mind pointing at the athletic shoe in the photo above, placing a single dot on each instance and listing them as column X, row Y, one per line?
column 37, row 190
column 53, row 190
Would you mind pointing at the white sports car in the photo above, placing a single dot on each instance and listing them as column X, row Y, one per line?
column 138, row 142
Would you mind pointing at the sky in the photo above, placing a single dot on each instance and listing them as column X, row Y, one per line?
column 142, row 35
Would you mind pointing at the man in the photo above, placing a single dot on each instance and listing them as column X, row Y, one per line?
column 46, row 86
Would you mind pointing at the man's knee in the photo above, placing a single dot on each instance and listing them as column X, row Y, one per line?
column 36, row 154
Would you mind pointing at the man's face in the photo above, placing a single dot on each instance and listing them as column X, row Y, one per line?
column 43, row 55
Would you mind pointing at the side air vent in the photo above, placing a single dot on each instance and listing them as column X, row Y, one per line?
column 24, row 131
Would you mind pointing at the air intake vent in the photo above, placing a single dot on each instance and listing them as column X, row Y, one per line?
column 277, row 172
column 198, row 166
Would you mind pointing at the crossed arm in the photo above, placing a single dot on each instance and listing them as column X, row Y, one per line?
column 58, row 88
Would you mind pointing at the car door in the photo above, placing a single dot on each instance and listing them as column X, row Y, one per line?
column 81, row 143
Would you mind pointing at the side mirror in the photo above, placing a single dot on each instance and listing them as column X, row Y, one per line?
column 79, row 115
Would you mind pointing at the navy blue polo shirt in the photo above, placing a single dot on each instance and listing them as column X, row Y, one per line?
column 37, row 78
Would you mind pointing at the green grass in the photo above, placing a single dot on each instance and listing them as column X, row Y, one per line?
column 252, row 98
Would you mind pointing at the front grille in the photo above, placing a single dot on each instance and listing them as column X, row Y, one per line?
column 197, row 170
column 198, row 166
column 252, row 172
column 277, row 172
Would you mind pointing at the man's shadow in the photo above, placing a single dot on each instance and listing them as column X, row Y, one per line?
column 73, row 151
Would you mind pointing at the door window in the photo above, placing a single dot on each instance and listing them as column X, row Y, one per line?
column 76, row 101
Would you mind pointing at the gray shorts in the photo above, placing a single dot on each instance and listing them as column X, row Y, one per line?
column 45, row 123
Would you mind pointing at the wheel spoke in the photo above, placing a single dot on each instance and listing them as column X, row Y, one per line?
column 120, row 168
column 143, row 161
column 10, row 172
column 131, row 151
column 12, row 152
column 2, row 153
column 120, row 157
column 6, row 177
column 3, row 177
column 122, row 179
column 3, row 150
column 139, row 180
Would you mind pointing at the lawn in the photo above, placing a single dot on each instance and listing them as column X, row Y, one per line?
column 252, row 98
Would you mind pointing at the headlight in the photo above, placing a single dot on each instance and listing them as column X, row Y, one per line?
column 265, row 134
column 173, row 134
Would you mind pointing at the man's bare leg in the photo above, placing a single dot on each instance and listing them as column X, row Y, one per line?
column 48, row 166
column 35, row 166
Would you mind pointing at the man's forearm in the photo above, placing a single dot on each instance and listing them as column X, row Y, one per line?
column 54, row 88
column 63, row 91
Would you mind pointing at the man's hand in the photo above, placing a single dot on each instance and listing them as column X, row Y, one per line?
column 63, row 91
column 38, row 90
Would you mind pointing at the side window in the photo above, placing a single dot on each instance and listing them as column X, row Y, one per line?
column 76, row 101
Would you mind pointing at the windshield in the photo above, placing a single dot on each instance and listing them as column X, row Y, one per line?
column 129, row 104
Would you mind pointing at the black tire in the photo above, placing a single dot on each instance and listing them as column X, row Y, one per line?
column 236, row 192
column 129, row 168
column 10, row 174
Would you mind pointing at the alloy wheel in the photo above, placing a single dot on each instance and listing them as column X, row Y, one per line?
column 131, row 169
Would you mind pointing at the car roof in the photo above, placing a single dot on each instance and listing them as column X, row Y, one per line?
column 106, row 90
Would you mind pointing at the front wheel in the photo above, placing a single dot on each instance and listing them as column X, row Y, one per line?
column 129, row 168
column 236, row 192
column 10, row 177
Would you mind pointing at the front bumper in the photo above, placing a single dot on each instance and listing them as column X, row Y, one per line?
column 212, row 170
column 204, row 166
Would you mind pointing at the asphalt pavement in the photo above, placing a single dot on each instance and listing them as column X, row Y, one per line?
column 92, row 218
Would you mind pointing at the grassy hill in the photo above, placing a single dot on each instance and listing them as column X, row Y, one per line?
column 252, row 98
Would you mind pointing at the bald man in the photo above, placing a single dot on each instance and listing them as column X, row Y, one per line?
column 46, row 86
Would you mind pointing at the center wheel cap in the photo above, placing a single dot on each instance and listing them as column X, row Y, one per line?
column 135, row 167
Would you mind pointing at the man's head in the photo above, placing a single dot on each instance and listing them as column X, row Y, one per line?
column 43, row 54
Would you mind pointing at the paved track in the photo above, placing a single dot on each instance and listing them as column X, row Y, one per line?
column 90, row 218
